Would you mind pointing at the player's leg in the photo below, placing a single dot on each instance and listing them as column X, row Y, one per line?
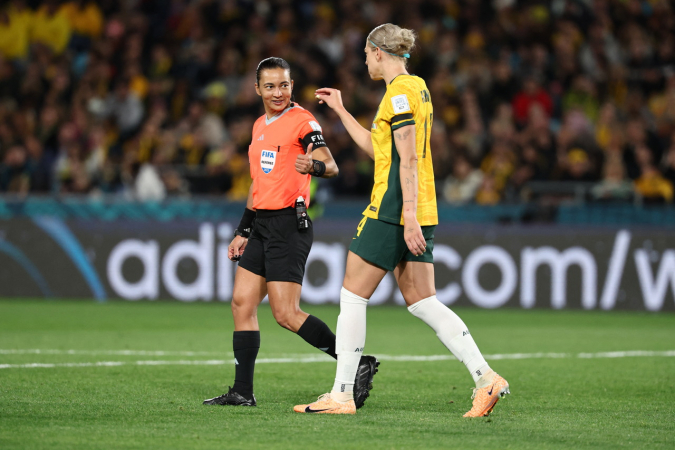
column 361, row 280
column 371, row 255
column 415, row 277
column 416, row 281
column 249, row 290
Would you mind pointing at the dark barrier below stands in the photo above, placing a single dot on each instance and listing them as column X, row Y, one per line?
column 216, row 209
column 490, row 266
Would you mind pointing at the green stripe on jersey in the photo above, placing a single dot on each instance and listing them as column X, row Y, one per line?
column 397, row 125
column 392, row 200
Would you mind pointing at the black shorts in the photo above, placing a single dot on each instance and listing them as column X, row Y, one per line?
column 276, row 249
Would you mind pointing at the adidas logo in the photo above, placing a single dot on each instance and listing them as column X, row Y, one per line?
column 262, row 137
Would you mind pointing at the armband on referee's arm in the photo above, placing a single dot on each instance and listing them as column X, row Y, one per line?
column 245, row 224
column 315, row 138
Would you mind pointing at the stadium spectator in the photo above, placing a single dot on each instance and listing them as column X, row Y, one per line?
column 532, row 166
column 15, row 171
column 42, row 164
column 50, row 27
column 532, row 93
column 488, row 193
column 125, row 108
column 85, row 19
column 651, row 184
column 668, row 164
column 351, row 182
column 614, row 185
column 465, row 180
column 14, row 37
column 499, row 164
column 576, row 166
column 148, row 184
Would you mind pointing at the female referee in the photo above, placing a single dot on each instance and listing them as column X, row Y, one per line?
column 397, row 229
column 287, row 148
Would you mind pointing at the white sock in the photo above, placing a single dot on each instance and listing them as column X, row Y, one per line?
column 453, row 333
column 349, row 343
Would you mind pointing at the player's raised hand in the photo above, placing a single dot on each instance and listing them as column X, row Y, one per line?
column 331, row 97
column 304, row 163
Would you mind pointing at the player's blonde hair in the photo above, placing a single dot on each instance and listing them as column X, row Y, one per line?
column 392, row 39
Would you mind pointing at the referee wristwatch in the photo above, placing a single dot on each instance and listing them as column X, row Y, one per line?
column 318, row 168
column 245, row 233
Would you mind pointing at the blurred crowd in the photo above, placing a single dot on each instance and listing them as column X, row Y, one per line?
column 154, row 98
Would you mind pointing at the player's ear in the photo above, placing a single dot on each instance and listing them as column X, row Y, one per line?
column 292, row 83
column 257, row 90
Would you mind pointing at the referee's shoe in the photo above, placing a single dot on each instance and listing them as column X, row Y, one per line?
column 363, row 382
column 231, row 398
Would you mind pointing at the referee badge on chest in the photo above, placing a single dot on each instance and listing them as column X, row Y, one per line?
column 267, row 160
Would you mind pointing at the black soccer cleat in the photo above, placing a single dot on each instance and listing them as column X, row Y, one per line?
column 363, row 382
column 231, row 398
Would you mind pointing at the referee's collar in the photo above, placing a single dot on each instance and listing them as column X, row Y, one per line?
column 269, row 121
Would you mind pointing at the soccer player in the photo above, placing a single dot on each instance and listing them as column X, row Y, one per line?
column 286, row 150
column 397, row 229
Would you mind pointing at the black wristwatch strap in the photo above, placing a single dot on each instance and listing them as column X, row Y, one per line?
column 318, row 168
column 246, row 232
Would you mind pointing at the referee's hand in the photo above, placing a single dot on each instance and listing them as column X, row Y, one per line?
column 236, row 248
column 304, row 163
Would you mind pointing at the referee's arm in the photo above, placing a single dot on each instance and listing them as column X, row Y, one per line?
column 324, row 155
column 317, row 160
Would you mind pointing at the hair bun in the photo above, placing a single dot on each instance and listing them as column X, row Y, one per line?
column 393, row 39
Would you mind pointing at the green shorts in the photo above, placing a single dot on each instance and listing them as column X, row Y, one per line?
column 382, row 243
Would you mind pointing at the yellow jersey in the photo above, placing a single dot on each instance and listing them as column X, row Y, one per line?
column 406, row 102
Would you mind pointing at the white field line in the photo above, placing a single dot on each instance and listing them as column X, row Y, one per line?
column 324, row 358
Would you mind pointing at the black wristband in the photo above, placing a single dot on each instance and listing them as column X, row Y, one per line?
column 246, row 223
column 318, row 169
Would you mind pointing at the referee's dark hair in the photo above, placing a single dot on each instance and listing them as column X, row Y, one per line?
column 271, row 63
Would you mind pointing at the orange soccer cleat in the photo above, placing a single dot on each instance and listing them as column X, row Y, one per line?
column 485, row 399
column 326, row 405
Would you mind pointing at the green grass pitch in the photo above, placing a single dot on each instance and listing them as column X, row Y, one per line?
column 559, row 399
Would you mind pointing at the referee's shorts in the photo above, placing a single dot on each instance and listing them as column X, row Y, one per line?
column 276, row 249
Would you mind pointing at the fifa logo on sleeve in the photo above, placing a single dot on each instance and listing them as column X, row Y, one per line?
column 400, row 103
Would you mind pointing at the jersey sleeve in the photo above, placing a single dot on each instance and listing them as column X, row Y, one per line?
column 310, row 132
column 400, row 104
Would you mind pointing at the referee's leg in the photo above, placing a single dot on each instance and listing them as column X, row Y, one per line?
column 285, row 303
column 249, row 290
